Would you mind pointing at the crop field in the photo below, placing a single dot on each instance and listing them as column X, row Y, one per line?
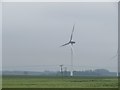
column 59, row 82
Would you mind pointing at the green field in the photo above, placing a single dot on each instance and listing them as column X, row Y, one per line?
column 59, row 82
column 0, row 81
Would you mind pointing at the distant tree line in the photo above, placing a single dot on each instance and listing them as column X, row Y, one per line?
column 96, row 72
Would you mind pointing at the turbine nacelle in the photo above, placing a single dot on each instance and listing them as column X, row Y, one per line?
column 72, row 42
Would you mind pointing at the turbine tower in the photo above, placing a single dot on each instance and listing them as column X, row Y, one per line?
column 71, row 42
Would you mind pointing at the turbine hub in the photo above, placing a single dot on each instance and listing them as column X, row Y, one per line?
column 72, row 42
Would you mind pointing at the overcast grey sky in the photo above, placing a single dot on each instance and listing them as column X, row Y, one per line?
column 0, row 37
column 33, row 32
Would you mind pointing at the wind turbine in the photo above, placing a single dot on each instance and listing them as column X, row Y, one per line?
column 61, row 70
column 71, row 42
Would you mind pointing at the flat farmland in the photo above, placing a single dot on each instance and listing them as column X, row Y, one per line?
column 59, row 82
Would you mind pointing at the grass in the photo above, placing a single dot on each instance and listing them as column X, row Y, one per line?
column 58, row 82
column 0, row 81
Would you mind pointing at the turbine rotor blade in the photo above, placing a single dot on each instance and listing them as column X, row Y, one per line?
column 72, row 32
column 65, row 44
column 114, row 56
